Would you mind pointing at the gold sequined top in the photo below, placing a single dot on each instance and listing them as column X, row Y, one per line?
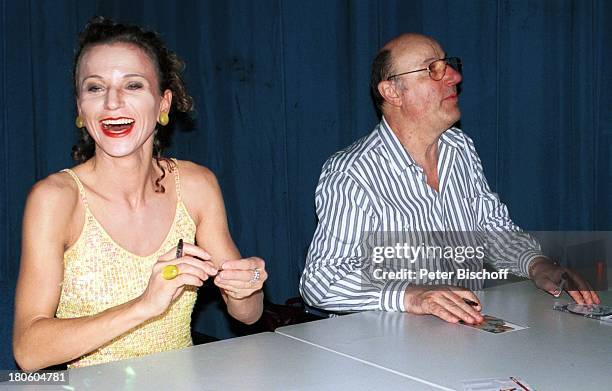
column 100, row 274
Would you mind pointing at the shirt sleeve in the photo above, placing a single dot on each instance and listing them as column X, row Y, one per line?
column 336, row 276
column 507, row 244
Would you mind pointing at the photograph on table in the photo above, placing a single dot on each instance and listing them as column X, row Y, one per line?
column 495, row 325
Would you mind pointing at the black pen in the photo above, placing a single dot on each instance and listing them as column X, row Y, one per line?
column 179, row 249
column 562, row 284
column 470, row 302
column 519, row 383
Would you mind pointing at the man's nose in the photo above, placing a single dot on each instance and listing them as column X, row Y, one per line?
column 114, row 99
column 452, row 76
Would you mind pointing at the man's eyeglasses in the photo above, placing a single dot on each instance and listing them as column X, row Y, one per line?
column 437, row 69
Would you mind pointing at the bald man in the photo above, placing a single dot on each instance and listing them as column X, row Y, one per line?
column 415, row 173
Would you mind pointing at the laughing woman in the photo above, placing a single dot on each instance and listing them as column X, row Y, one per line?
column 101, row 277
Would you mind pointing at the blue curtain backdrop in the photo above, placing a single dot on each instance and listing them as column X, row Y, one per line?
column 281, row 84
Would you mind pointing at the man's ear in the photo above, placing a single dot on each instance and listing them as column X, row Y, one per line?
column 390, row 92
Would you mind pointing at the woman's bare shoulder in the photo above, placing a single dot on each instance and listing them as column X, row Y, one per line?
column 196, row 178
column 200, row 190
column 56, row 195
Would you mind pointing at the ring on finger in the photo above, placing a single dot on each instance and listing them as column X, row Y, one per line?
column 256, row 276
column 170, row 272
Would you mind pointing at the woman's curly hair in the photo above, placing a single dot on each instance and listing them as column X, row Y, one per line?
column 100, row 30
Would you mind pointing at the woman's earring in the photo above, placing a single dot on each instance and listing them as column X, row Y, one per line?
column 164, row 119
column 79, row 122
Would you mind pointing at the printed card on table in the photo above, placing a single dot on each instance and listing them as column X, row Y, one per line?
column 511, row 383
column 494, row 325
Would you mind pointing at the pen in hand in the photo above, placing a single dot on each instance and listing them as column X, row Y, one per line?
column 179, row 249
column 170, row 272
column 562, row 284
column 470, row 302
column 473, row 304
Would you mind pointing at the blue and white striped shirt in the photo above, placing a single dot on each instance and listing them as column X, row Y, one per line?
column 375, row 186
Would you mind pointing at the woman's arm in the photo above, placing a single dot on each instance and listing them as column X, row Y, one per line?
column 244, row 298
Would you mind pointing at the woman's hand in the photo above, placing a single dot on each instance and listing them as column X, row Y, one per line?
column 160, row 292
column 242, row 277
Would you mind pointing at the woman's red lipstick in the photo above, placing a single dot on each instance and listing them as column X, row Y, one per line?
column 117, row 127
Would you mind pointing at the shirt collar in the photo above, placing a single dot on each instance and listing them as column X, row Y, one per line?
column 396, row 152
column 394, row 149
column 452, row 137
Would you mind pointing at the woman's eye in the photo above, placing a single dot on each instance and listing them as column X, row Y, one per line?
column 134, row 86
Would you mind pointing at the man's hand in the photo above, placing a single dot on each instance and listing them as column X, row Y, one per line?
column 546, row 275
column 444, row 301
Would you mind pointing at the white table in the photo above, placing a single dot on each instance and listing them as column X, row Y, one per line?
column 558, row 350
column 265, row 361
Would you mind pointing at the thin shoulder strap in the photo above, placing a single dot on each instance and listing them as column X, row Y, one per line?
column 79, row 185
column 177, row 178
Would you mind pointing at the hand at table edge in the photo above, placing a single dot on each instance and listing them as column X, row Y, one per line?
column 447, row 302
column 547, row 276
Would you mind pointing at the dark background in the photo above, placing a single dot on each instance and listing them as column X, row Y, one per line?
column 280, row 85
